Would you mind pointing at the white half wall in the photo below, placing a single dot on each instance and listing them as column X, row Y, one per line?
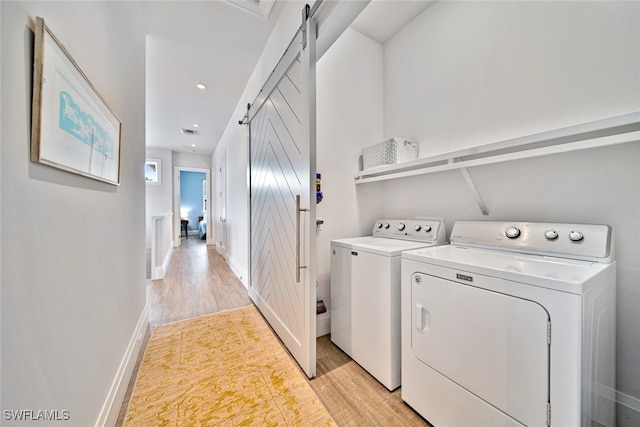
column 73, row 248
column 159, row 197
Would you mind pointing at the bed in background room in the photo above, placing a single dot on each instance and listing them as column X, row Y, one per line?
column 202, row 227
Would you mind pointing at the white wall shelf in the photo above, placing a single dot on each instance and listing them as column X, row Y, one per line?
column 601, row 133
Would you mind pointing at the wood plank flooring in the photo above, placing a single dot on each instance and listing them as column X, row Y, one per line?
column 199, row 282
column 355, row 398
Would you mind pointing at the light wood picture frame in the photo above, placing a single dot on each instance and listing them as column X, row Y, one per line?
column 73, row 128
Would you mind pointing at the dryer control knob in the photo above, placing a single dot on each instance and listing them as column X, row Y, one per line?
column 378, row 225
column 576, row 236
column 512, row 232
column 386, row 225
column 417, row 227
column 551, row 234
column 400, row 226
column 427, row 228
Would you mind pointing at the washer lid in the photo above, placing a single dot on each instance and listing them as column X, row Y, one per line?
column 560, row 274
column 349, row 242
column 386, row 247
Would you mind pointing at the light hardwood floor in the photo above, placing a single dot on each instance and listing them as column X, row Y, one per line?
column 199, row 282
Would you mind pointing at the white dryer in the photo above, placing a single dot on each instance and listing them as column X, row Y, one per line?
column 512, row 324
column 365, row 292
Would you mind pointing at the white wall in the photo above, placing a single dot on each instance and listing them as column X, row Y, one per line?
column 349, row 117
column 488, row 71
column 190, row 160
column 73, row 279
column 467, row 73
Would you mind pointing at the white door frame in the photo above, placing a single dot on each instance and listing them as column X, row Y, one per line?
column 176, row 201
column 221, row 205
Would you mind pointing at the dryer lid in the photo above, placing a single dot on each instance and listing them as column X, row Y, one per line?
column 561, row 274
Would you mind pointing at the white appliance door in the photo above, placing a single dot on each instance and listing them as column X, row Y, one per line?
column 375, row 315
column 341, row 297
column 282, row 200
column 493, row 345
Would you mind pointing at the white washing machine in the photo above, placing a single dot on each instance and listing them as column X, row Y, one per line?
column 512, row 324
column 365, row 292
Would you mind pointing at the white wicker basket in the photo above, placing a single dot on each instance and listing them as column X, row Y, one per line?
column 390, row 152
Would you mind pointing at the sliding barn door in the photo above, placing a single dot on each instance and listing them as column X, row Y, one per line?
column 282, row 200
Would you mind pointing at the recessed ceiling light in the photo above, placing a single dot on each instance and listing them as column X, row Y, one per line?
column 193, row 145
column 201, row 86
column 196, row 125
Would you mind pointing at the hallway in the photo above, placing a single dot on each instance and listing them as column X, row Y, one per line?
column 199, row 282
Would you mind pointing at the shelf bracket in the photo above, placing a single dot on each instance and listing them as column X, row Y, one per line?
column 474, row 190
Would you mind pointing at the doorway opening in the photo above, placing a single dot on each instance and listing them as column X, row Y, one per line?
column 192, row 211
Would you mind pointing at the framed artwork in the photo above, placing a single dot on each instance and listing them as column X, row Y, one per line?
column 152, row 171
column 73, row 128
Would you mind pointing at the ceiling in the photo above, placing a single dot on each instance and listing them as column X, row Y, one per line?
column 382, row 19
column 218, row 44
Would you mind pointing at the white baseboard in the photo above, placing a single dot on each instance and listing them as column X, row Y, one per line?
column 158, row 272
column 239, row 271
column 323, row 324
column 111, row 408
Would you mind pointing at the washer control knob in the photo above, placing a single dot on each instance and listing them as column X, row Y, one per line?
column 378, row 225
column 427, row 228
column 386, row 225
column 512, row 232
column 417, row 227
column 551, row 234
column 400, row 227
column 576, row 236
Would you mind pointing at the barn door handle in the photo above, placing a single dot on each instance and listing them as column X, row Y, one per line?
column 298, row 265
